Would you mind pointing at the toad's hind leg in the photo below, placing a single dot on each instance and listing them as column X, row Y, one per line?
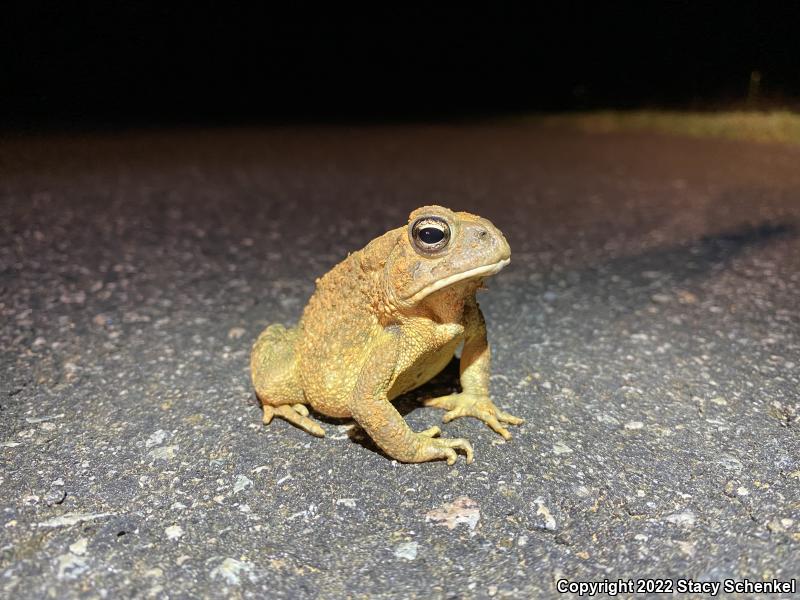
column 273, row 368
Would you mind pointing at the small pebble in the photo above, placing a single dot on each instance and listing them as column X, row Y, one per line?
column 79, row 547
column 407, row 550
column 235, row 333
column 561, row 448
column 242, row 482
column 684, row 519
column 55, row 496
column 156, row 439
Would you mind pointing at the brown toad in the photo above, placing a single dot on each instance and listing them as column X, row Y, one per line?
column 384, row 321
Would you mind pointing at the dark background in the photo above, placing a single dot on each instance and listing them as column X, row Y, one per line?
column 130, row 63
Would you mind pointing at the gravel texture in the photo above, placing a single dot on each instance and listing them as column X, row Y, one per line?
column 647, row 329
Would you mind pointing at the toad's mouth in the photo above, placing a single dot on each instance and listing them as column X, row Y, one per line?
column 484, row 271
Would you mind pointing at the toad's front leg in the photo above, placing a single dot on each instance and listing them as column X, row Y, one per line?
column 474, row 400
column 373, row 411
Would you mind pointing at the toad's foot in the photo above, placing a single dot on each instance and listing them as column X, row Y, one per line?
column 474, row 405
column 429, row 447
column 296, row 414
column 431, row 431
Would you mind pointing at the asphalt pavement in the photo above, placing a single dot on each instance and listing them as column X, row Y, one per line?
column 647, row 329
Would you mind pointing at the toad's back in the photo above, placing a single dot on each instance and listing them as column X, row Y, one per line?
column 337, row 331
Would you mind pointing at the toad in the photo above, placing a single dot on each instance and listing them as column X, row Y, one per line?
column 384, row 321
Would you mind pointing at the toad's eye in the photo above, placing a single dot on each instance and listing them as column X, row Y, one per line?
column 430, row 234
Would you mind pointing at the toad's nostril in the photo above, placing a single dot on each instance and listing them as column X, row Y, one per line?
column 481, row 233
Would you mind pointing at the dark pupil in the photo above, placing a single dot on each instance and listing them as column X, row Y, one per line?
column 431, row 235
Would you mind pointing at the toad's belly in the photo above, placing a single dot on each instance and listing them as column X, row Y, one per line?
column 423, row 369
column 329, row 369
column 329, row 391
